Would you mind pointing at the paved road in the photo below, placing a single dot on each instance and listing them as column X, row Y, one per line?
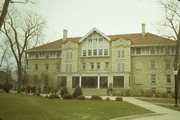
column 162, row 113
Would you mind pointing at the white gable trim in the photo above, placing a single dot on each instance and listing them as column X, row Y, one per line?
column 94, row 29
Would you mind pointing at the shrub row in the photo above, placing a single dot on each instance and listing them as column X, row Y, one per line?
column 139, row 93
column 64, row 93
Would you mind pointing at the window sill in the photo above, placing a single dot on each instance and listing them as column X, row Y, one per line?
column 94, row 56
column 153, row 84
column 152, row 68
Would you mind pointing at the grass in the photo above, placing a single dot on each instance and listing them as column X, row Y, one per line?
column 23, row 107
column 164, row 102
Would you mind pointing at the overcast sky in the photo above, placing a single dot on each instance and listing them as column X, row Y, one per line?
column 108, row 16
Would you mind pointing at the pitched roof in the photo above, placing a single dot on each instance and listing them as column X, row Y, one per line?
column 135, row 38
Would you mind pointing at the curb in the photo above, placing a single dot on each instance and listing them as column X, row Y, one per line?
column 136, row 116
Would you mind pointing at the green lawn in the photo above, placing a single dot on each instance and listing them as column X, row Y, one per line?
column 168, row 102
column 24, row 107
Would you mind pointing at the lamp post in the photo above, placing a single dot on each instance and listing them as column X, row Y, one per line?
column 176, row 70
column 176, row 87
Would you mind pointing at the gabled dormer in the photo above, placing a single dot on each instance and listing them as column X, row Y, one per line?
column 95, row 44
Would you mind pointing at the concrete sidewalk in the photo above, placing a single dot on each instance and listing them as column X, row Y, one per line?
column 162, row 112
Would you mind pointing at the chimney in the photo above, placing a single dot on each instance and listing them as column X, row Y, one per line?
column 143, row 30
column 65, row 35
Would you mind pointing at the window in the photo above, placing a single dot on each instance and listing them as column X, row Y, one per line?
column 100, row 52
column 106, row 65
column 58, row 54
column 138, row 51
column 36, row 56
column 161, row 50
column 168, row 90
column 51, row 54
column 95, row 39
column 157, row 50
column 89, row 52
column 153, row 90
column 92, row 65
column 43, row 54
column 68, row 55
column 168, row 78
column 147, row 51
column 36, row 66
column 57, row 66
column 95, row 52
column 47, row 55
column 103, row 81
column 167, row 50
column 143, row 50
column 100, row 39
column 121, row 67
column 172, row 49
column 118, row 81
column 152, row 51
column 83, row 65
column 98, row 65
column 105, row 51
column 133, row 51
column 167, row 64
column 89, row 82
column 90, row 40
column 68, row 67
column 153, row 79
column 29, row 55
column 152, row 64
column 121, row 53
column 46, row 66
column 75, row 82
column 84, row 53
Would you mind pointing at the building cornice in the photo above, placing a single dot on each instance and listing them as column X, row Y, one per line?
column 154, row 45
column 43, row 50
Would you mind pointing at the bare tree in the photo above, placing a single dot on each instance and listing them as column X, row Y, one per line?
column 6, row 6
column 21, row 32
column 4, row 12
column 3, row 51
column 171, row 24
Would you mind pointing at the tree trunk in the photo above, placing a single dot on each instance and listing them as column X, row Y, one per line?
column 4, row 12
column 19, row 76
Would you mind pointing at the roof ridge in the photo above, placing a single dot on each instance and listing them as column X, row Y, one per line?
column 124, row 34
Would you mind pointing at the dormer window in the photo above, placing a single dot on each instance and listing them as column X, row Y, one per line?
column 95, row 39
column 105, row 52
column 100, row 39
column 100, row 52
column 95, row 44
column 90, row 40
column 84, row 53
column 89, row 52
column 95, row 52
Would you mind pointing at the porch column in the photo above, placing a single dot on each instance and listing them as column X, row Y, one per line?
column 80, row 81
column 98, row 82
